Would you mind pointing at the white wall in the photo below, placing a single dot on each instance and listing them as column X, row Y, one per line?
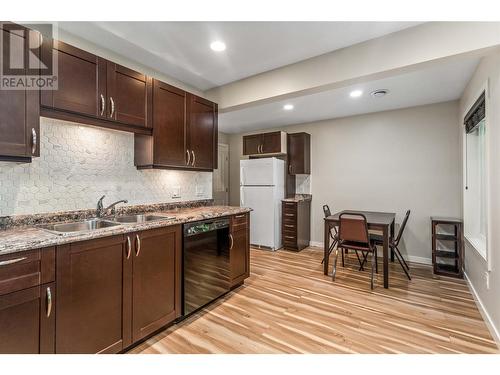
column 475, row 266
column 387, row 161
column 78, row 164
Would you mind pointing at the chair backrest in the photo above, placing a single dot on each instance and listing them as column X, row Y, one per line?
column 353, row 227
column 326, row 210
column 402, row 228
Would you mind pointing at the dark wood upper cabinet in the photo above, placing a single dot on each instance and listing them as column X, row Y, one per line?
column 299, row 153
column 129, row 96
column 167, row 146
column 156, row 279
column 19, row 109
column 92, row 296
column 95, row 91
column 272, row 143
column 81, row 80
column 184, row 132
column 251, row 144
column 239, row 253
column 202, row 132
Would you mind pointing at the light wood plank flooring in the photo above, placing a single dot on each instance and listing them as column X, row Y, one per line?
column 288, row 306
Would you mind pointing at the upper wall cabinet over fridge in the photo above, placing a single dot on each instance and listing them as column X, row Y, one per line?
column 265, row 144
column 19, row 108
column 184, row 132
column 95, row 91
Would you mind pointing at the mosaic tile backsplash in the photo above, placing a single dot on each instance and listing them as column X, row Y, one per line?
column 78, row 164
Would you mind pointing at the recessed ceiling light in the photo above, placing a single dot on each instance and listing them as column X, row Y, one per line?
column 356, row 93
column 379, row 93
column 218, row 46
column 288, row 107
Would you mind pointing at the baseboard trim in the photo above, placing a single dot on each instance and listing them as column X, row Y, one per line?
column 411, row 258
column 482, row 310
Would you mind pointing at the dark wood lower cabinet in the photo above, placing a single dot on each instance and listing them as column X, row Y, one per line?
column 27, row 321
column 90, row 294
column 296, row 224
column 239, row 255
column 157, row 261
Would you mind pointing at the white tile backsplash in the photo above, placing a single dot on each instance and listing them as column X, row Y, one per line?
column 303, row 184
column 78, row 164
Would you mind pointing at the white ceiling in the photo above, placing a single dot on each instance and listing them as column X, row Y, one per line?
column 182, row 49
column 439, row 83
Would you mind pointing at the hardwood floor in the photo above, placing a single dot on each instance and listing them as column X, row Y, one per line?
column 288, row 306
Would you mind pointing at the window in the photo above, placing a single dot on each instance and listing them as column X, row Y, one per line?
column 475, row 196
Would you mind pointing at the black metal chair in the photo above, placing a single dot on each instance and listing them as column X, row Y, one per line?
column 394, row 243
column 353, row 235
column 333, row 236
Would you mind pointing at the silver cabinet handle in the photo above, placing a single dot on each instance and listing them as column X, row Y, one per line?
column 289, row 215
column 49, row 302
column 289, row 226
column 289, row 169
column 103, row 104
column 189, row 157
column 239, row 216
column 129, row 247
column 194, row 158
column 260, row 149
column 112, row 106
column 12, row 261
column 232, row 242
column 33, row 141
column 138, row 250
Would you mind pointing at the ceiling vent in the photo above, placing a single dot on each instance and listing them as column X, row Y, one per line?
column 379, row 93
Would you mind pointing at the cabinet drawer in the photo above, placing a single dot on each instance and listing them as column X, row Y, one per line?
column 28, row 269
column 239, row 222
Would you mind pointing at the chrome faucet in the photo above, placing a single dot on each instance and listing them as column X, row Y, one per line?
column 101, row 211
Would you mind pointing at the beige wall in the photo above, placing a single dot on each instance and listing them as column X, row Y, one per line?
column 476, row 267
column 387, row 161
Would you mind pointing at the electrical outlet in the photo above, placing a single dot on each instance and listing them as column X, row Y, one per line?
column 176, row 192
column 487, row 279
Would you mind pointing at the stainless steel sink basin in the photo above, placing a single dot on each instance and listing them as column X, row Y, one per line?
column 136, row 219
column 79, row 226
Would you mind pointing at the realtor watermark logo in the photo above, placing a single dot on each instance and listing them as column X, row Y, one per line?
column 25, row 63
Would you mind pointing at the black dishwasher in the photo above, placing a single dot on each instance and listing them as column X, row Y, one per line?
column 206, row 267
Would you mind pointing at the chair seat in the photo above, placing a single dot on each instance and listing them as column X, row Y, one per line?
column 354, row 245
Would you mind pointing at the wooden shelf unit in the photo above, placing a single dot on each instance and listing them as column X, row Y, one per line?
column 447, row 248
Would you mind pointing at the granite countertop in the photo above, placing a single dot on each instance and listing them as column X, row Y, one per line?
column 298, row 198
column 29, row 238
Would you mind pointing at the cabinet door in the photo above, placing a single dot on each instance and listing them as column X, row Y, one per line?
column 81, row 81
column 156, row 280
column 19, row 109
column 271, row 142
column 129, row 94
column 239, row 256
column 27, row 321
column 169, row 125
column 299, row 160
column 91, row 296
column 202, row 132
column 251, row 144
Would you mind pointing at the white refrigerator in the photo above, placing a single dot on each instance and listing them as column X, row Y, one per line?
column 262, row 187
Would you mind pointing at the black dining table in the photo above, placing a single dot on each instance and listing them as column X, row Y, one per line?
column 379, row 221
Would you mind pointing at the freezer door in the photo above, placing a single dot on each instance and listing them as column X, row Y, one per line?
column 262, row 227
column 255, row 172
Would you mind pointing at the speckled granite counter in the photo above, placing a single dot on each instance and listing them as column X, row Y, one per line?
column 28, row 238
column 298, row 198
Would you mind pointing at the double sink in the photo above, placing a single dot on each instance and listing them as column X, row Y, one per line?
column 98, row 223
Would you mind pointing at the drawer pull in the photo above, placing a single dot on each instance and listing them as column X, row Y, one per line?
column 289, row 226
column 291, row 237
column 289, row 214
column 12, row 261
column 49, row 302
column 239, row 216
